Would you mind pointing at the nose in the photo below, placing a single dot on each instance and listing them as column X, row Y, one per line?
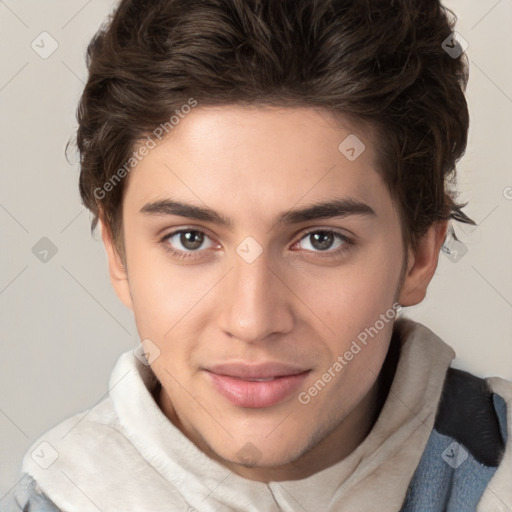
column 255, row 301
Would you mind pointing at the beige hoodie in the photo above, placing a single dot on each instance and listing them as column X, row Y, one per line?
column 125, row 455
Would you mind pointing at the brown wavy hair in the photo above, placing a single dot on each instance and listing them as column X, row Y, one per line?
column 379, row 61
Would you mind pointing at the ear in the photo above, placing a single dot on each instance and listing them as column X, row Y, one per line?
column 422, row 264
column 116, row 267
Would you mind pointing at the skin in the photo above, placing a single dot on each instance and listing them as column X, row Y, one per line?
column 297, row 303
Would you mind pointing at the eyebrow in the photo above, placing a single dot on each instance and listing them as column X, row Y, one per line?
column 323, row 210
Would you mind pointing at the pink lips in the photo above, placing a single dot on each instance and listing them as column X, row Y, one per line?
column 258, row 386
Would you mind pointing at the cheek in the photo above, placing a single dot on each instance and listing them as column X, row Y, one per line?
column 158, row 294
column 356, row 356
column 167, row 298
column 352, row 296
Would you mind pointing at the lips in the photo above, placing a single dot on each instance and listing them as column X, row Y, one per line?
column 260, row 371
column 256, row 386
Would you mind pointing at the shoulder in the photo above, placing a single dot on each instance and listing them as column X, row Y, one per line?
column 469, row 446
column 81, row 437
column 473, row 415
column 96, row 423
column 30, row 498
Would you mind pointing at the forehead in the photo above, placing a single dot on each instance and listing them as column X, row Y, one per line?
column 260, row 159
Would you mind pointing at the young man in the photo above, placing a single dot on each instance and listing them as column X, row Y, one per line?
column 270, row 180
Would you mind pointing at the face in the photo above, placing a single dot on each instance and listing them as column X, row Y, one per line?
column 258, row 260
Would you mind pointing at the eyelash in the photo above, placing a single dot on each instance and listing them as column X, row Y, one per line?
column 183, row 255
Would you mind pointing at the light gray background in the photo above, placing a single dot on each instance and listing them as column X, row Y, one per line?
column 62, row 327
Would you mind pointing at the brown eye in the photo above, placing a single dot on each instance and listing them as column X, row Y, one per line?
column 323, row 240
column 191, row 240
column 187, row 240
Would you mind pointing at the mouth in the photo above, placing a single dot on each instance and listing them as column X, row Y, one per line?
column 256, row 387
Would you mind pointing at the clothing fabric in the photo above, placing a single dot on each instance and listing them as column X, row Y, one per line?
column 441, row 443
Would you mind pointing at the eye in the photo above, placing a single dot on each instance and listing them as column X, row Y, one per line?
column 186, row 241
column 190, row 243
column 325, row 241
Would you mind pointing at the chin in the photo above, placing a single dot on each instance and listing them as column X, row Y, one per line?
column 262, row 454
